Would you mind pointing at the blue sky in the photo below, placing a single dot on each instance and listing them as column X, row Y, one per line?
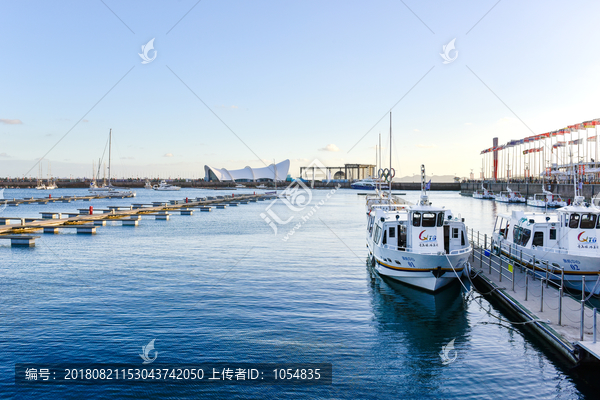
column 289, row 78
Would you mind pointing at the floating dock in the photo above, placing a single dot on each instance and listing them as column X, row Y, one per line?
column 86, row 220
column 538, row 299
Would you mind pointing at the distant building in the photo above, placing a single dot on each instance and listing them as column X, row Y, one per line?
column 348, row 171
column 274, row 171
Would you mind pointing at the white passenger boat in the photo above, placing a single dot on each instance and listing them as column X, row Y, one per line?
column 369, row 184
column 261, row 186
column 509, row 196
column 546, row 200
column 165, row 186
column 484, row 194
column 240, row 186
column 565, row 239
column 148, row 185
column 421, row 245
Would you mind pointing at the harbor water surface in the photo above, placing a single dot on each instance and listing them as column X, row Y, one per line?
column 223, row 286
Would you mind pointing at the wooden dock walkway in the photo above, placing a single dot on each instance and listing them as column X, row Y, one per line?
column 86, row 222
column 563, row 318
column 45, row 200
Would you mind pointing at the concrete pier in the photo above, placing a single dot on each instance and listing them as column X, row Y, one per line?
column 50, row 215
column 20, row 240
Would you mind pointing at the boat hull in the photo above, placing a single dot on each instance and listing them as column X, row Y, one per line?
column 431, row 272
column 544, row 204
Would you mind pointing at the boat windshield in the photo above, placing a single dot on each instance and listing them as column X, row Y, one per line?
column 428, row 220
column 588, row 221
column 574, row 221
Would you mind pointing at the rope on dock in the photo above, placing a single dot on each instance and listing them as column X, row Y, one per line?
column 479, row 302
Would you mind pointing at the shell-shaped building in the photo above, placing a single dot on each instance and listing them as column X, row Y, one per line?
column 277, row 172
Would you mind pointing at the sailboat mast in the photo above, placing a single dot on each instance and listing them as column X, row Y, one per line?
column 391, row 178
column 109, row 153
column 380, row 163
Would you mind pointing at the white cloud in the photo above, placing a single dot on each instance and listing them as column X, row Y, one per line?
column 330, row 147
column 11, row 121
column 416, row 130
column 168, row 155
column 468, row 123
column 426, row 146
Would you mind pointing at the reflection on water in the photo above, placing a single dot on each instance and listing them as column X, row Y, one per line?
column 421, row 322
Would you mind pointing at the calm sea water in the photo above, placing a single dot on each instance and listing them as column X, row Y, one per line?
column 223, row 287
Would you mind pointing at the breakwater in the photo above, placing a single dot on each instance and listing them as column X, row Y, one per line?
column 199, row 184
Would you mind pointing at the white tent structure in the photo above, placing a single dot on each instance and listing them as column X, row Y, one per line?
column 274, row 171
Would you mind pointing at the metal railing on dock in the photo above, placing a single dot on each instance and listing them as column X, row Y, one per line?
column 549, row 301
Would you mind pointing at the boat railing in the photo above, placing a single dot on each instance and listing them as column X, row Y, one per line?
column 505, row 260
column 388, row 207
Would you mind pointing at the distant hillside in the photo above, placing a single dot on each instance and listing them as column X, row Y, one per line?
column 434, row 178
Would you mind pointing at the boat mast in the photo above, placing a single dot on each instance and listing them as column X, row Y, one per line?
column 391, row 179
column 380, row 163
column 109, row 153
column 424, row 200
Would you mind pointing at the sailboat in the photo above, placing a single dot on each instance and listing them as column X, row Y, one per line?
column 421, row 245
column 51, row 182
column 40, row 184
column 108, row 190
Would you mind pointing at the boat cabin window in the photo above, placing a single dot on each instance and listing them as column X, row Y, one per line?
column 392, row 232
column 428, row 220
column 416, row 219
column 521, row 236
column 588, row 221
column 538, row 239
column 574, row 221
column 462, row 238
column 552, row 234
column 440, row 221
column 384, row 241
column 502, row 226
column 376, row 234
column 598, row 224
column 454, row 233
